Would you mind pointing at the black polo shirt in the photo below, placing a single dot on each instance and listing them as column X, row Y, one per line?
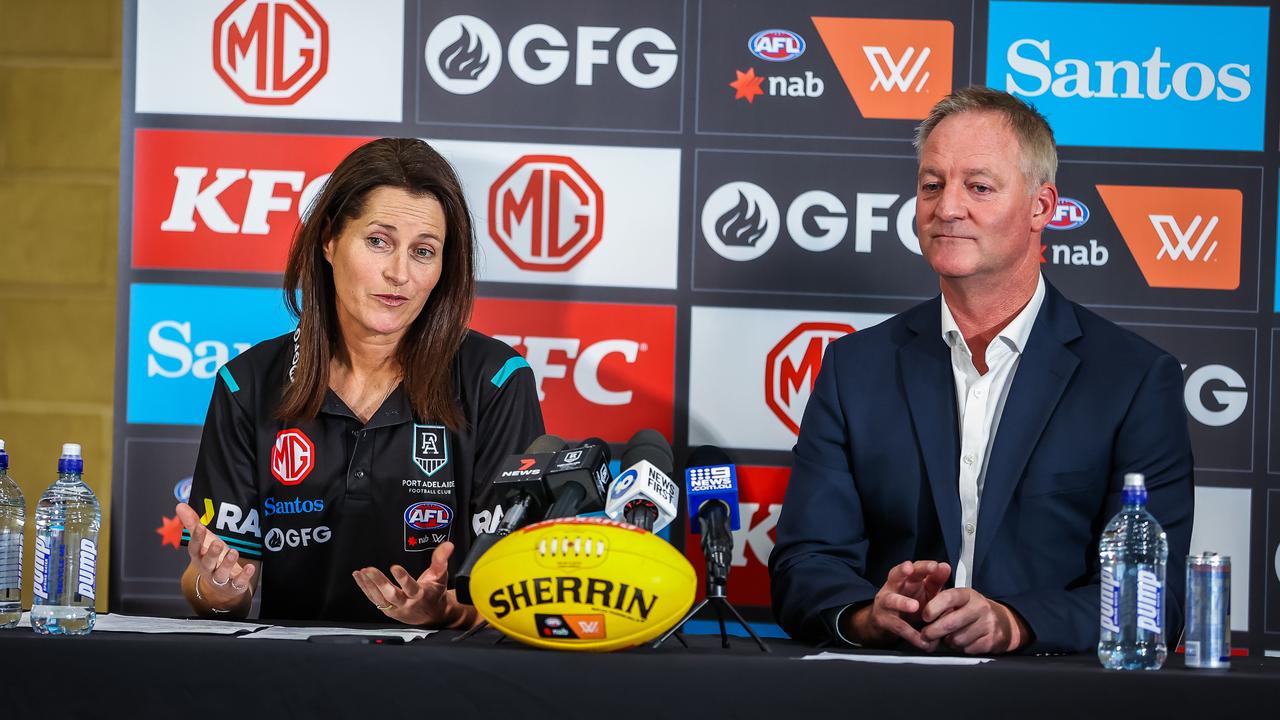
column 316, row 500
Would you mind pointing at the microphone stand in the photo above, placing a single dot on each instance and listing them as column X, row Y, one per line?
column 717, row 546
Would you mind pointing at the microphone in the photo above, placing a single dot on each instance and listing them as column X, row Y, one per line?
column 644, row 494
column 578, row 479
column 712, row 482
column 520, row 482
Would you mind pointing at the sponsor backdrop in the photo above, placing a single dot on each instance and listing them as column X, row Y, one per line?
column 680, row 203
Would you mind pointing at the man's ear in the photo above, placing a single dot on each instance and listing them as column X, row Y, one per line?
column 1044, row 203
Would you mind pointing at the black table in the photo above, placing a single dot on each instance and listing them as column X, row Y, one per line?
column 185, row 676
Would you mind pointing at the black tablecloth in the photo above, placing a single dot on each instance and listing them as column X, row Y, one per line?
column 181, row 676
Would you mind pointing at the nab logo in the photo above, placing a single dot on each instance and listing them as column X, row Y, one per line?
column 293, row 456
column 776, row 45
column 1180, row 237
column 791, row 369
column 894, row 69
column 1069, row 215
column 740, row 221
column 464, row 54
column 270, row 52
column 546, row 213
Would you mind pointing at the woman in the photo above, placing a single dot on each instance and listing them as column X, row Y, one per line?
column 368, row 437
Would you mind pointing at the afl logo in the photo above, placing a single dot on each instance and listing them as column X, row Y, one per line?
column 1069, row 215
column 428, row 516
column 776, row 45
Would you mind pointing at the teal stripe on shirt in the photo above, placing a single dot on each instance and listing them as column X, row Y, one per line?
column 508, row 369
column 225, row 374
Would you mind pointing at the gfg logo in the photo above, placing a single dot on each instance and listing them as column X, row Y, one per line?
column 277, row 539
column 270, row 52
column 741, row 220
column 1229, row 393
column 464, row 54
column 546, row 212
column 791, row 369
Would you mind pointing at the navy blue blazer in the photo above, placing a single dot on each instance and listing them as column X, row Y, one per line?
column 876, row 472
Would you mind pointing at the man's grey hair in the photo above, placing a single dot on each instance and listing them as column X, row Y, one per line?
column 1035, row 137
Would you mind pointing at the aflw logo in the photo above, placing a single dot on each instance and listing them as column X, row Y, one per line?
column 1182, row 243
column 894, row 69
column 1180, row 237
column 889, row 72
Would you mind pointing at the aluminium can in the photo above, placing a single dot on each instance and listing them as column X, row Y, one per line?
column 1207, row 642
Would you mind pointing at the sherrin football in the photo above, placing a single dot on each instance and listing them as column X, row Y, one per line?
column 583, row 584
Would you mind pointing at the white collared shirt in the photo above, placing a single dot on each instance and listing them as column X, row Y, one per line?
column 980, row 402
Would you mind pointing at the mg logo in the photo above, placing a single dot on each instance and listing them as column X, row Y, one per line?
column 270, row 52
column 1185, row 242
column 893, row 74
column 292, row 457
column 791, row 369
column 546, row 213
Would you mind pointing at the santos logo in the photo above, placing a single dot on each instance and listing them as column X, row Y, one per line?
column 546, row 212
column 586, row 363
column 464, row 54
column 270, row 52
column 1100, row 72
column 741, row 220
column 1180, row 237
column 791, row 369
column 174, row 355
column 1225, row 386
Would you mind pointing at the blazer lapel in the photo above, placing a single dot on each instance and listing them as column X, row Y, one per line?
column 1043, row 372
column 925, row 363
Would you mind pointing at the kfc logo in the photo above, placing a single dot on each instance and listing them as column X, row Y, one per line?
column 270, row 52
column 225, row 201
column 546, row 213
column 293, row 456
column 1180, row 237
column 600, row 369
column 791, row 369
column 894, row 69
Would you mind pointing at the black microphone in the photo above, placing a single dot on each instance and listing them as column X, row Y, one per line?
column 644, row 494
column 520, row 481
column 712, row 481
column 578, row 479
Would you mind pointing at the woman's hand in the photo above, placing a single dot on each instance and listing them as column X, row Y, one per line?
column 218, row 581
column 424, row 600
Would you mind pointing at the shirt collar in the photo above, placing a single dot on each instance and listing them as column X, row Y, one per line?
column 1015, row 334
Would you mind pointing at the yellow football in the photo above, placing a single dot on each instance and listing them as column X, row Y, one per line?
column 583, row 584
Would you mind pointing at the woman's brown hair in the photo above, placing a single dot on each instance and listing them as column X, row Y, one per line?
column 428, row 347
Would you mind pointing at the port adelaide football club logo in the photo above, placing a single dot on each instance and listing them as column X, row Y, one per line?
column 430, row 448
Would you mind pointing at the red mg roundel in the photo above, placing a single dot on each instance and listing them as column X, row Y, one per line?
column 546, row 212
column 791, row 368
column 270, row 52
column 293, row 457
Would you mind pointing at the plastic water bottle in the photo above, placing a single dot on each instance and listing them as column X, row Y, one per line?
column 13, row 516
column 66, row 563
column 1132, row 551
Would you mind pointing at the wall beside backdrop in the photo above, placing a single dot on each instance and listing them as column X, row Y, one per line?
column 680, row 203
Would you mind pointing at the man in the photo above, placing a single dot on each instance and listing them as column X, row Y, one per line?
column 957, row 463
